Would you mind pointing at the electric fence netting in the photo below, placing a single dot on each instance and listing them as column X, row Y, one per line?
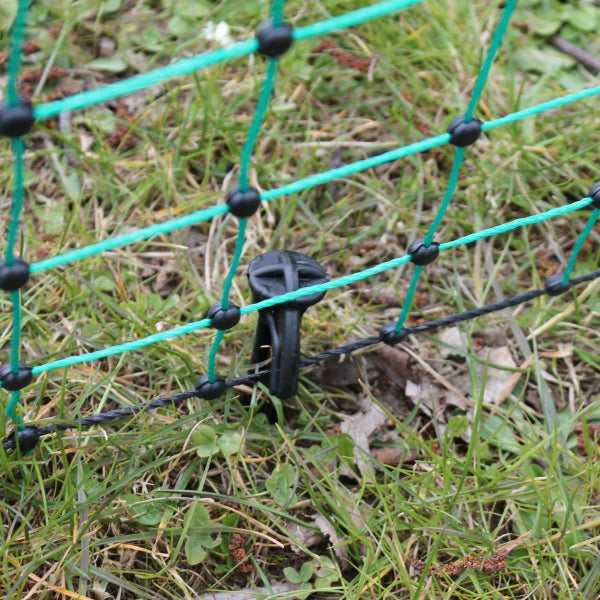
column 287, row 281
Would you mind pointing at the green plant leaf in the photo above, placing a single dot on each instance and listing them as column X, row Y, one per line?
column 112, row 64
column 583, row 17
column 280, row 483
column 230, row 442
column 194, row 549
column 205, row 440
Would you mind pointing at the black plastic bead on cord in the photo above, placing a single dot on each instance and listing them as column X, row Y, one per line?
column 464, row 134
column 26, row 438
column 224, row 319
column 16, row 121
column 388, row 334
column 422, row 255
column 273, row 41
column 15, row 276
column 209, row 390
column 554, row 285
column 595, row 195
column 15, row 381
column 243, row 204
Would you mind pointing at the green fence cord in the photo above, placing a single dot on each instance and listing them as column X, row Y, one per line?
column 410, row 294
column 257, row 121
column 516, row 223
column 129, row 238
column 14, row 63
column 579, row 244
column 235, row 261
column 495, row 44
column 540, row 108
column 18, row 148
column 356, row 17
column 145, row 80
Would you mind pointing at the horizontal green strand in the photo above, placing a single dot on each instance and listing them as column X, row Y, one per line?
column 129, row 238
column 540, row 108
column 350, row 19
column 145, row 80
column 523, row 221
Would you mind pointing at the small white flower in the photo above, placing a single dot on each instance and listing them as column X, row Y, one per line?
column 218, row 33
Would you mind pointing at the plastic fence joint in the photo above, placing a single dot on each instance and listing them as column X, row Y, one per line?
column 278, row 330
column 224, row 319
column 15, row 276
column 464, row 134
column 595, row 195
column 209, row 390
column 16, row 121
column 15, row 381
column 25, row 440
column 554, row 285
column 243, row 204
column 274, row 41
column 422, row 255
column 388, row 334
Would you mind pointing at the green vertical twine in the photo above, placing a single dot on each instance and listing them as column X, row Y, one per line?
column 410, row 294
column 14, row 64
column 509, row 7
column 17, row 203
column 262, row 106
column 259, row 115
column 459, row 156
column 579, row 244
column 12, row 407
column 15, row 343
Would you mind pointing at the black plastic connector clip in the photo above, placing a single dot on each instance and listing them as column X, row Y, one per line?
column 15, row 276
column 15, row 381
column 210, row 390
column 278, row 330
column 243, row 204
column 595, row 195
column 224, row 319
column 554, row 285
column 388, row 334
column 422, row 255
column 273, row 41
column 23, row 439
column 464, row 134
column 16, row 121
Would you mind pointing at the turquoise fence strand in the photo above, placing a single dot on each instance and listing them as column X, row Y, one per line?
column 15, row 342
column 410, row 294
column 17, row 202
column 459, row 157
column 540, row 108
column 452, row 183
column 257, row 121
column 120, row 348
column 305, row 291
column 355, row 167
column 277, row 12
column 145, row 80
column 579, row 244
column 362, row 15
column 235, row 261
column 128, row 238
column 18, row 35
column 495, row 44
column 212, row 357
column 11, row 407
column 516, row 223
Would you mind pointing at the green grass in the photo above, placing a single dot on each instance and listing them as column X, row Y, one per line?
column 147, row 508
